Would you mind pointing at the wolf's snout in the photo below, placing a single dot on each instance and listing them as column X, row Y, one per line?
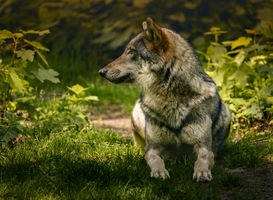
column 102, row 72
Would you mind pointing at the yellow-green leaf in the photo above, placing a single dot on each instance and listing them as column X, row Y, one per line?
column 218, row 77
column 240, row 78
column 18, row 35
column 253, row 32
column 227, row 43
column 269, row 99
column 210, row 51
column 15, row 82
column 5, row 34
column 241, row 41
column 37, row 45
column 25, row 54
column 94, row 98
column 36, row 32
column 239, row 58
column 42, row 57
column 77, row 89
column 213, row 29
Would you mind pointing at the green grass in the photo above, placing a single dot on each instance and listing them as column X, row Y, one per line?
column 123, row 96
column 91, row 163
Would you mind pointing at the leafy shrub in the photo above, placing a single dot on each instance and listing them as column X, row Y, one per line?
column 243, row 71
column 69, row 108
column 15, row 53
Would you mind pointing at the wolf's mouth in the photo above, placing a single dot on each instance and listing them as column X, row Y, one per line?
column 123, row 79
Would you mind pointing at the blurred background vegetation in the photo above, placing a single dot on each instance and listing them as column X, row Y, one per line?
column 87, row 34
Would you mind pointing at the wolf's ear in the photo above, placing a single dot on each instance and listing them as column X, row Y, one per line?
column 144, row 26
column 154, row 32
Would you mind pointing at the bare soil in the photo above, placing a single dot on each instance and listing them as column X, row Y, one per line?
column 114, row 119
column 257, row 180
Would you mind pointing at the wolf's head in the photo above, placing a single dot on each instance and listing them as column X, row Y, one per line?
column 145, row 50
column 160, row 59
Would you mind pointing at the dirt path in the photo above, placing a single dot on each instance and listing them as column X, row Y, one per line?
column 114, row 119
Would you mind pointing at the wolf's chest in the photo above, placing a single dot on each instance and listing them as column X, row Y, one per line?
column 172, row 145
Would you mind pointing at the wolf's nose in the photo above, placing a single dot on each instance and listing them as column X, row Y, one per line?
column 102, row 72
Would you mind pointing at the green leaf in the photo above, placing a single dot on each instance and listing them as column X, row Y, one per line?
column 72, row 98
column 215, row 30
column 93, row 98
column 18, row 35
column 235, row 51
column 219, row 50
column 266, row 68
column 37, row 45
column 45, row 74
column 267, row 28
column 77, row 89
column 213, row 64
column 255, row 111
column 9, row 116
column 36, row 32
column 218, row 77
column 19, row 126
column 269, row 99
column 241, row 41
column 42, row 57
column 11, row 133
column 255, row 47
column 79, row 117
column 25, row 99
column 240, row 78
column 227, row 43
column 210, row 51
column 249, row 31
column 206, row 56
column 5, row 34
column 25, row 54
column 239, row 58
column 15, row 82
column 224, row 56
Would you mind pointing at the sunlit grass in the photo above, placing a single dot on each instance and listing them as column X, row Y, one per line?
column 91, row 163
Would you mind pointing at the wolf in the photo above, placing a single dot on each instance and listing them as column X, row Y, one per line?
column 179, row 112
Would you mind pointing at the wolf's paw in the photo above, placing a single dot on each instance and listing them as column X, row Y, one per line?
column 162, row 173
column 202, row 175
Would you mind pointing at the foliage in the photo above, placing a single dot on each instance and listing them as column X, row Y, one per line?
column 15, row 54
column 10, row 127
column 243, row 71
column 111, row 23
column 69, row 108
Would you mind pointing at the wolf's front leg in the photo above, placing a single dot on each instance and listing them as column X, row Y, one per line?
column 203, row 164
column 156, row 164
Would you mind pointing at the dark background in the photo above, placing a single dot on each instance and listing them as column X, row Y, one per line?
column 98, row 30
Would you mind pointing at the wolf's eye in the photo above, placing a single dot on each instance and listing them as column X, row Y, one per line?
column 132, row 51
